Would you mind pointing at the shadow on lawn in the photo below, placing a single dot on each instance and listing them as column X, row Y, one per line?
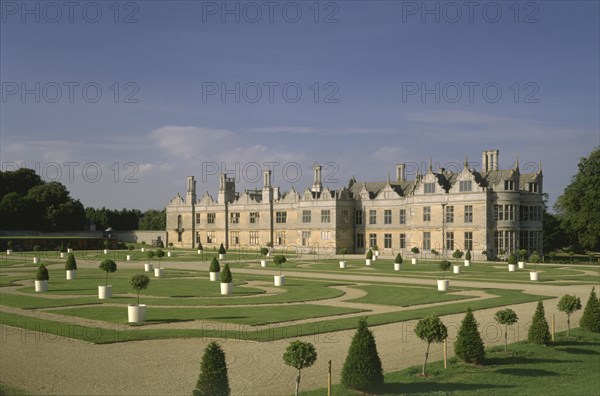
column 521, row 360
column 527, row 372
column 429, row 387
column 579, row 351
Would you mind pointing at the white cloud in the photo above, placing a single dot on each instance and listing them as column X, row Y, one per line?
column 187, row 142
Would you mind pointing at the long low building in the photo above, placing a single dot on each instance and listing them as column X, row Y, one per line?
column 490, row 212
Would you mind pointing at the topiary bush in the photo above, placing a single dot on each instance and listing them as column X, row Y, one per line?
column 200, row 246
column 226, row 274
column 569, row 304
column 398, row 259
column 139, row 282
column 512, row 259
column 222, row 249
column 214, row 265
column 444, row 266
column 430, row 329
column 362, row 369
column 468, row 255
column 71, row 263
column 457, row 254
column 415, row 250
column 264, row 251
column 369, row 255
column 507, row 317
column 42, row 273
column 279, row 260
column 590, row 320
column 213, row 379
column 539, row 332
column 299, row 355
column 469, row 345
column 108, row 266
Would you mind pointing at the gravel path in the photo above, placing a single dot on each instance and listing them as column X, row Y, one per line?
column 67, row 366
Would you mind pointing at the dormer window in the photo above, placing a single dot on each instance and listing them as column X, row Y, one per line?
column 465, row 185
column 509, row 185
column 533, row 187
column 429, row 188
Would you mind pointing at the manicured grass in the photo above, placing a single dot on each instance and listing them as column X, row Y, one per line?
column 404, row 295
column 569, row 367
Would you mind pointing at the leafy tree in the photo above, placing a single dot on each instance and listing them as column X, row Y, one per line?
column 362, row 370
column 398, row 259
column 507, row 317
column 213, row 379
column 150, row 254
column 71, row 264
column 569, row 304
column 555, row 235
column 160, row 254
column 109, row 266
column 214, row 265
column 300, row 355
column 19, row 181
column 42, row 273
column 590, row 320
column 415, row 250
column 539, row 332
column 579, row 206
column 444, row 266
column 469, row 345
column 153, row 220
column 139, row 282
column 279, row 260
column 343, row 252
column 226, row 274
column 457, row 254
column 430, row 329
column 522, row 254
column 535, row 259
column 264, row 251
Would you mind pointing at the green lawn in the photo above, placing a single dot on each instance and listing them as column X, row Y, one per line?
column 404, row 295
column 569, row 367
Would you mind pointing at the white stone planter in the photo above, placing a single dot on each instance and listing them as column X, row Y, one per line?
column 168, row 254
column 456, row 269
column 9, row 252
column 467, row 263
column 71, row 274
column 376, row 252
column 443, row 284
column 374, row 258
column 128, row 257
column 512, row 267
column 36, row 260
column 148, row 267
column 41, row 286
column 397, row 266
column 136, row 313
column 143, row 250
column 279, row 280
column 413, row 261
column 534, row 276
column 62, row 255
column 221, row 256
column 199, row 251
column 263, row 263
column 342, row 264
column 368, row 261
column 521, row 264
column 213, row 276
column 69, row 250
column 104, row 292
column 159, row 272
column 226, row 288
column 105, row 251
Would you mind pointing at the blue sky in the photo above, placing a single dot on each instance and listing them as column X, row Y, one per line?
column 360, row 68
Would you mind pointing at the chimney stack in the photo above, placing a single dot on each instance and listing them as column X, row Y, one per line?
column 401, row 172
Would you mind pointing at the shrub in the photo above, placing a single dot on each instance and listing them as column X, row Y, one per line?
column 279, row 260
column 569, row 304
column 200, row 246
column 108, row 266
column 160, row 244
column 264, row 251
column 106, row 244
column 512, row 259
column 468, row 255
column 222, row 249
column 213, row 379
column 9, row 245
column 300, row 355
column 362, row 369
column 430, row 329
column 375, row 248
column 523, row 254
column 36, row 248
column 469, row 345
column 130, row 247
column 444, row 266
column 415, row 250
column 535, row 258
column 42, row 273
column 590, row 320
column 170, row 244
column 539, row 333
column 214, row 265
column 160, row 254
column 226, row 274
column 139, row 282
column 71, row 264
column 343, row 252
column 61, row 247
column 398, row 259
column 457, row 254
column 369, row 255
column 506, row 317
column 150, row 254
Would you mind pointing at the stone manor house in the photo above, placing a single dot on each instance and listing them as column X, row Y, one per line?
column 490, row 210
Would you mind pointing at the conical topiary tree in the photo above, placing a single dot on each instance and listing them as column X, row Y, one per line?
column 569, row 304
column 214, row 265
column 469, row 345
column 42, row 273
column 369, row 255
column 362, row 369
column 226, row 274
column 512, row 259
column 213, row 379
column 71, row 263
column 590, row 320
column 398, row 259
column 430, row 329
column 539, row 332
column 222, row 249
column 468, row 255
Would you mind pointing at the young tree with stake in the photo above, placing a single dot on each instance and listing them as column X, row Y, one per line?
column 569, row 304
column 430, row 329
column 507, row 317
column 300, row 355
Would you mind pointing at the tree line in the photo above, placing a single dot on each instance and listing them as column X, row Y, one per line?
column 29, row 203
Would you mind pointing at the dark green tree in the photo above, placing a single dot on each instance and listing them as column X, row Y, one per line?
column 213, row 379
column 222, row 249
column 299, row 355
column 153, row 220
column 430, row 329
column 42, row 273
column 160, row 254
column 398, row 259
column 226, row 274
column 469, row 345
column 590, row 320
column 279, row 260
column 579, row 206
column 512, row 259
column 214, row 265
column 507, row 317
column 569, row 304
column 139, row 282
column 108, row 266
column 362, row 370
column 539, row 332
column 71, row 263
